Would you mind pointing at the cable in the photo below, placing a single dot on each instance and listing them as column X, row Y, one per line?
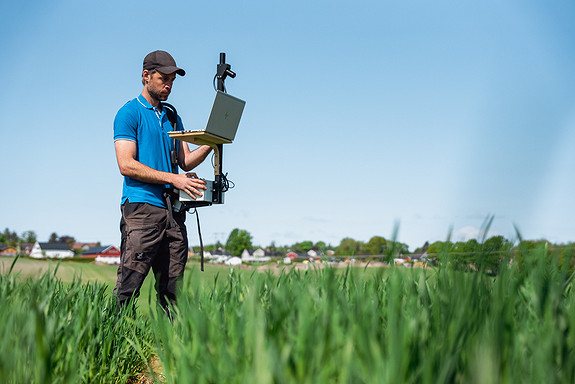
column 200, row 236
column 226, row 183
column 214, row 83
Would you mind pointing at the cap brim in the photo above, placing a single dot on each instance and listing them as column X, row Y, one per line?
column 169, row 70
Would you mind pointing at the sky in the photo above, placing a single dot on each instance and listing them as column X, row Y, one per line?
column 417, row 119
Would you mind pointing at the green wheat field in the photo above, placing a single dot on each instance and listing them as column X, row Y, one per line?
column 328, row 325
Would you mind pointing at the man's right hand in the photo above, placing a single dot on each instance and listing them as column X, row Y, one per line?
column 189, row 183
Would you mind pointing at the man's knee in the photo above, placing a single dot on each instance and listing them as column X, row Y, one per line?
column 128, row 287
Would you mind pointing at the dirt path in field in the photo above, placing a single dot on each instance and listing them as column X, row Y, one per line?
column 147, row 377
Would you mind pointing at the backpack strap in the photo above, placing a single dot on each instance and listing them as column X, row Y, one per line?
column 172, row 115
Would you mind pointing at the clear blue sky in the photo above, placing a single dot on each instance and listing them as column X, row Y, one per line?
column 429, row 115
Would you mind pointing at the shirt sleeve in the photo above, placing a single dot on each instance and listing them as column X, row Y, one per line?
column 126, row 124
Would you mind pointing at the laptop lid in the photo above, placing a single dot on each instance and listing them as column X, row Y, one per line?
column 225, row 116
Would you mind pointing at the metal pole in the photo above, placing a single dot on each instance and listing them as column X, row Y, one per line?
column 221, row 73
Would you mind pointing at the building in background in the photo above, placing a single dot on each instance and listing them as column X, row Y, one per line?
column 51, row 251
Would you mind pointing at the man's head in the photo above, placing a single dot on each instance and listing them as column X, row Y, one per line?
column 159, row 73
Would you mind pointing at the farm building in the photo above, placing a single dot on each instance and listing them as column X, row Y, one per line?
column 51, row 251
column 259, row 256
column 26, row 248
column 107, row 254
column 83, row 246
column 292, row 255
column 7, row 251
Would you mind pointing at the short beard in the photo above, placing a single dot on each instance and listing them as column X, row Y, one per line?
column 156, row 96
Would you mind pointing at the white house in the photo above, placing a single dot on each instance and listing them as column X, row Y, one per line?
column 259, row 253
column 51, row 251
column 233, row 261
column 312, row 253
column 259, row 256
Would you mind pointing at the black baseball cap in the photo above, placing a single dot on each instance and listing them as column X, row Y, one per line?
column 162, row 62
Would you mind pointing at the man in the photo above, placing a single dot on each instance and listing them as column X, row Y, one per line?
column 152, row 235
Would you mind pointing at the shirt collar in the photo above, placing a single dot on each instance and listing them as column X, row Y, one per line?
column 142, row 100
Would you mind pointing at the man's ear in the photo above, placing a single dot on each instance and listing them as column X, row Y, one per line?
column 146, row 75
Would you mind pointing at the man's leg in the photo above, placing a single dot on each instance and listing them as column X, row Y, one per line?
column 143, row 227
column 169, row 266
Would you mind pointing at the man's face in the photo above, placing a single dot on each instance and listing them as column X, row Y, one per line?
column 159, row 85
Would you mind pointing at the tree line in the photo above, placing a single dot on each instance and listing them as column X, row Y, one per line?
column 471, row 254
column 487, row 254
column 490, row 254
column 240, row 239
column 12, row 239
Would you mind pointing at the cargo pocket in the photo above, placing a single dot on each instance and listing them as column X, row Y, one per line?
column 141, row 247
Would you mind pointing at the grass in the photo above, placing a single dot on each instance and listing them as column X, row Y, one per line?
column 68, row 271
column 393, row 325
column 354, row 325
column 56, row 332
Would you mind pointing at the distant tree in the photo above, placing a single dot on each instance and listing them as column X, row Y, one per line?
column 320, row 247
column 397, row 248
column 29, row 237
column 349, row 247
column 272, row 249
column 492, row 253
column 66, row 239
column 471, row 245
column 10, row 238
column 524, row 251
column 439, row 250
column 53, row 237
column 281, row 250
column 462, row 254
column 238, row 240
column 302, row 247
column 423, row 248
column 376, row 245
column 494, row 244
column 209, row 247
column 439, row 247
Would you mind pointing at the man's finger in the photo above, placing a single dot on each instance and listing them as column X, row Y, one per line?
column 193, row 192
column 198, row 184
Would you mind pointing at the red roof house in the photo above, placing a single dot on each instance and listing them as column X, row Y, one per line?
column 107, row 254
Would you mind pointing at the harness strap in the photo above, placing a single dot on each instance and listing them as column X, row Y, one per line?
column 172, row 115
column 168, row 198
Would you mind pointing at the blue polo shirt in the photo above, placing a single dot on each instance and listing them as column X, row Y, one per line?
column 143, row 124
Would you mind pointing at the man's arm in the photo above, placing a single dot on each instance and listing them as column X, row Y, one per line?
column 189, row 160
column 126, row 155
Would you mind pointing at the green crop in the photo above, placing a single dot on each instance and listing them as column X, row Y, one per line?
column 321, row 325
column 53, row 332
column 391, row 325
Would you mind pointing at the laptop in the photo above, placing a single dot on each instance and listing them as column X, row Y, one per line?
column 225, row 116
